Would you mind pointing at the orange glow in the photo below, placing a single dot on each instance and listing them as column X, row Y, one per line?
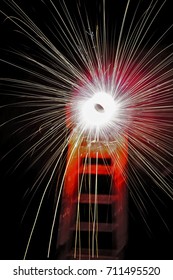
column 101, row 169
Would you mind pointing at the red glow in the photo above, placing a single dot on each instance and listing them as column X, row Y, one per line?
column 101, row 161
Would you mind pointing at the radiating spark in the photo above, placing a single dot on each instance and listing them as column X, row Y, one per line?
column 101, row 83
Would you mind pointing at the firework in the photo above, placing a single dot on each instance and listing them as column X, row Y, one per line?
column 91, row 78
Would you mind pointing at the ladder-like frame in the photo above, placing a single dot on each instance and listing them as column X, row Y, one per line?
column 93, row 216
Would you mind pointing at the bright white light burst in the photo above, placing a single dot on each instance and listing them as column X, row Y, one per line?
column 99, row 110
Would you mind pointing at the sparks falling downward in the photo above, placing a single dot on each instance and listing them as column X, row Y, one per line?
column 92, row 95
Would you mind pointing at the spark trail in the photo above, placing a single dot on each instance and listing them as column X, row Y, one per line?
column 94, row 78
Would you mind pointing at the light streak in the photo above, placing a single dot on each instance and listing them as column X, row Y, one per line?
column 101, row 82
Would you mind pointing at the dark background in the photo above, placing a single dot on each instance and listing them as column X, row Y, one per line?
column 150, row 240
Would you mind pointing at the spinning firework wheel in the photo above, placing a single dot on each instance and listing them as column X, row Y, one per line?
column 113, row 68
column 93, row 218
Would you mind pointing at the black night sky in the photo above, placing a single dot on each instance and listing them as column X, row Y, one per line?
column 144, row 243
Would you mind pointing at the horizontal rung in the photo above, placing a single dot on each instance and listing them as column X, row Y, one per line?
column 97, row 227
column 93, row 169
column 85, row 254
column 100, row 199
